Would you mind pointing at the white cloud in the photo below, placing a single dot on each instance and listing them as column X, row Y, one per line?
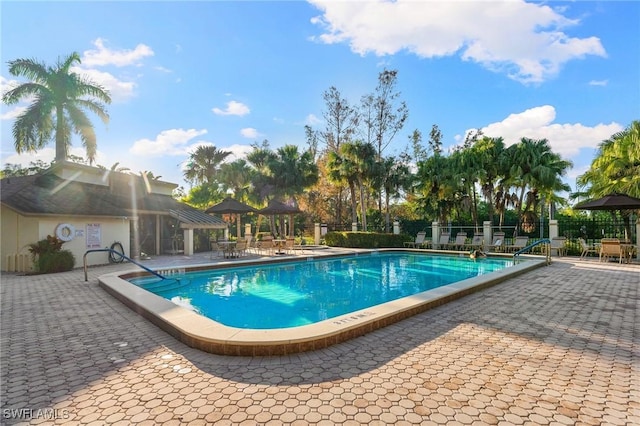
column 249, row 133
column 233, row 108
column 524, row 40
column 312, row 120
column 598, row 82
column 167, row 142
column 118, row 90
column 238, row 151
column 538, row 123
column 104, row 56
column 13, row 113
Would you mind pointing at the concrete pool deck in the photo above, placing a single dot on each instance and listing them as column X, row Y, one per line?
column 557, row 345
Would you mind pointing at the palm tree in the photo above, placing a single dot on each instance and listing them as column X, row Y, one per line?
column 61, row 99
column 236, row 176
column 535, row 169
column 396, row 177
column 616, row 167
column 341, row 170
column 363, row 158
column 204, row 163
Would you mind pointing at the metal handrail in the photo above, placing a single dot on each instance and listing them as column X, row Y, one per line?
column 546, row 241
column 84, row 261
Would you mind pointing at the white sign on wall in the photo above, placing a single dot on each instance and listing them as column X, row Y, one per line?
column 94, row 235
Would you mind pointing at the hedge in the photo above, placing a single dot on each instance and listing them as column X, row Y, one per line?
column 365, row 239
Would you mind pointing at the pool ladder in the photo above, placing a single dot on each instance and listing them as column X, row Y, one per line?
column 84, row 261
column 547, row 250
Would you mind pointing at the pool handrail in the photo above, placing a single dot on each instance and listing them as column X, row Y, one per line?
column 84, row 261
column 546, row 241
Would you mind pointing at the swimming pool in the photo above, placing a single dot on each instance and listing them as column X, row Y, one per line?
column 209, row 335
column 293, row 294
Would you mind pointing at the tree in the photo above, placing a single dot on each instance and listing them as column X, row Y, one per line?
column 616, row 167
column 341, row 120
column 204, row 163
column 362, row 157
column 383, row 117
column 342, row 170
column 397, row 178
column 535, row 169
column 61, row 99
column 236, row 176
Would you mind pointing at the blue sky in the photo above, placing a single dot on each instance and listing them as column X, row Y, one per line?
column 182, row 74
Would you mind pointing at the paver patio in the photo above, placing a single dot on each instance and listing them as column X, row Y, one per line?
column 559, row 345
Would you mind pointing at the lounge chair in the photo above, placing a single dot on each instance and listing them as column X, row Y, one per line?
column 444, row 240
column 419, row 241
column 477, row 242
column 558, row 244
column 610, row 247
column 498, row 242
column 459, row 243
column 586, row 248
column 518, row 244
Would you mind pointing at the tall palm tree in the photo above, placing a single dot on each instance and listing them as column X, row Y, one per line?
column 61, row 98
column 396, row 177
column 236, row 176
column 341, row 170
column 204, row 163
column 363, row 157
column 535, row 169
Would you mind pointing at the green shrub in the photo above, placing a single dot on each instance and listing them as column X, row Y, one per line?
column 365, row 239
column 48, row 256
column 57, row 261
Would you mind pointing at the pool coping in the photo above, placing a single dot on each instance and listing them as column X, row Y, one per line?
column 208, row 335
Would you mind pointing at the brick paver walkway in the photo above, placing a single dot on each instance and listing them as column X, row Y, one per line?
column 555, row 346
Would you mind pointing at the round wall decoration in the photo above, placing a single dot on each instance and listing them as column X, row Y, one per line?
column 65, row 232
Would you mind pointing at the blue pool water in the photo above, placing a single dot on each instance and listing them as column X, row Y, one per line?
column 304, row 292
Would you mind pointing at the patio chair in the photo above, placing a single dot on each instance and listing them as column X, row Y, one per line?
column 216, row 250
column 459, row 243
column 477, row 242
column 498, row 242
column 518, row 244
column 610, row 247
column 418, row 242
column 240, row 248
column 558, row 244
column 288, row 245
column 265, row 245
column 586, row 248
column 444, row 240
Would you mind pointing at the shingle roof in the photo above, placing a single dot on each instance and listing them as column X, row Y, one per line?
column 47, row 194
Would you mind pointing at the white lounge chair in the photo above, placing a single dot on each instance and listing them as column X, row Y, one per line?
column 418, row 242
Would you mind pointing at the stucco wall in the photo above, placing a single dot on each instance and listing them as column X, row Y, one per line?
column 18, row 231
